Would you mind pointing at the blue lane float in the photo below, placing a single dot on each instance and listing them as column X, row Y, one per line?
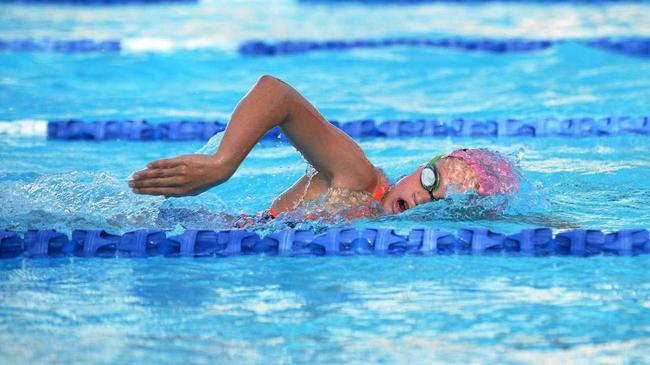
column 417, row 2
column 261, row 48
column 332, row 242
column 133, row 130
column 634, row 46
column 96, row 2
column 71, row 130
column 639, row 47
column 60, row 46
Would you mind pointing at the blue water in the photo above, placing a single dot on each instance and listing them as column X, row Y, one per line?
column 180, row 62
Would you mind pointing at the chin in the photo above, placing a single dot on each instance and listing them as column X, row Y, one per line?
column 387, row 206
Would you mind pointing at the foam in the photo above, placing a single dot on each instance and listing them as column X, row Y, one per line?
column 24, row 127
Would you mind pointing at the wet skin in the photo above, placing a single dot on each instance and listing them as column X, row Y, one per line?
column 339, row 162
column 408, row 192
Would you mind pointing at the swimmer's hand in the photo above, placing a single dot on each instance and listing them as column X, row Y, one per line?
column 181, row 176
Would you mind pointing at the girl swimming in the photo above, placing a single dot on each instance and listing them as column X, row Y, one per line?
column 341, row 170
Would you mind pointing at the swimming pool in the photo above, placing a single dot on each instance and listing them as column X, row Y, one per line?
column 181, row 62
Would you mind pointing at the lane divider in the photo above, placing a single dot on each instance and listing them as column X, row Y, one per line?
column 366, row 2
column 262, row 48
column 60, row 46
column 412, row 2
column 95, row 2
column 333, row 242
column 142, row 130
column 71, row 130
column 633, row 46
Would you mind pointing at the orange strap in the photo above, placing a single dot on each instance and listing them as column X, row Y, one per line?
column 380, row 191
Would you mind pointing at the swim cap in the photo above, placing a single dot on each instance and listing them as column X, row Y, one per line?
column 496, row 174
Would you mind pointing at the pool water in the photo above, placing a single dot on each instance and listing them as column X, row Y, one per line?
column 181, row 62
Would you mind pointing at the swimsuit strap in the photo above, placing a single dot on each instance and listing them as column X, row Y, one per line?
column 380, row 190
column 377, row 194
column 272, row 213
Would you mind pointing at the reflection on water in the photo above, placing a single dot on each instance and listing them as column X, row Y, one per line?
column 325, row 310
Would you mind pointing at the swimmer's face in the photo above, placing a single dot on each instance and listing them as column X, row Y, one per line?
column 407, row 193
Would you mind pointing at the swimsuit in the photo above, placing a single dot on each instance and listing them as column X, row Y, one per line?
column 270, row 214
column 376, row 196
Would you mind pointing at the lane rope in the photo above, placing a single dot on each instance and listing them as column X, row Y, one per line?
column 71, row 130
column 632, row 46
column 419, row 2
column 95, row 2
column 60, row 46
column 333, row 241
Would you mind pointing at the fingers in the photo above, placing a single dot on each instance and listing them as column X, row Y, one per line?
column 156, row 173
column 160, row 191
column 157, row 182
column 166, row 163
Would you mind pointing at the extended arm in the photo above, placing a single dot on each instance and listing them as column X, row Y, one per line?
column 338, row 159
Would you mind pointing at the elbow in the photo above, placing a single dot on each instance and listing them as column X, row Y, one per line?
column 274, row 85
column 269, row 81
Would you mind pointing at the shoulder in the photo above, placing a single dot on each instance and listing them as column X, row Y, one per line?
column 360, row 176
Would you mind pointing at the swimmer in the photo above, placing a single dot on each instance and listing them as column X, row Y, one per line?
column 341, row 169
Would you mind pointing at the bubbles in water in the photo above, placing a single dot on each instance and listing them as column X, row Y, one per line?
column 526, row 203
column 517, row 156
column 453, row 189
column 102, row 200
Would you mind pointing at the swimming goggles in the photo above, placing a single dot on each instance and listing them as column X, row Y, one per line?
column 429, row 177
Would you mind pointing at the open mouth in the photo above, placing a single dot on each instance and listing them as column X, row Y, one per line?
column 401, row 205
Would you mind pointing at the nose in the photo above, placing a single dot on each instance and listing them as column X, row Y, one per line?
column 421, row 197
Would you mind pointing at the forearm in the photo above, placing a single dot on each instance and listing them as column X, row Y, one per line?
column 266, row 105
column 270, row 103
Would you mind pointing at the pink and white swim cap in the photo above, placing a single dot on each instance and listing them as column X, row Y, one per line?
column 496, row 174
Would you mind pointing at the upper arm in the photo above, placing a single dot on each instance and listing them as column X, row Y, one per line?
column 270, row 103
column 329, row 150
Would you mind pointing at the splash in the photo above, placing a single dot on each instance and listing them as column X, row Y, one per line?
column 336, row 207
column 104, row 201
column 96, row 201
column 524, row 202
column 210, row 147
column 520, row 201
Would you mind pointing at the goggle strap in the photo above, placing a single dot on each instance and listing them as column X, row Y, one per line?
column 432, row 163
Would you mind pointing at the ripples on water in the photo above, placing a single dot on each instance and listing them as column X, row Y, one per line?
column 180, row 62
column 597, row 182
column 329, row 310
column 586, row 185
